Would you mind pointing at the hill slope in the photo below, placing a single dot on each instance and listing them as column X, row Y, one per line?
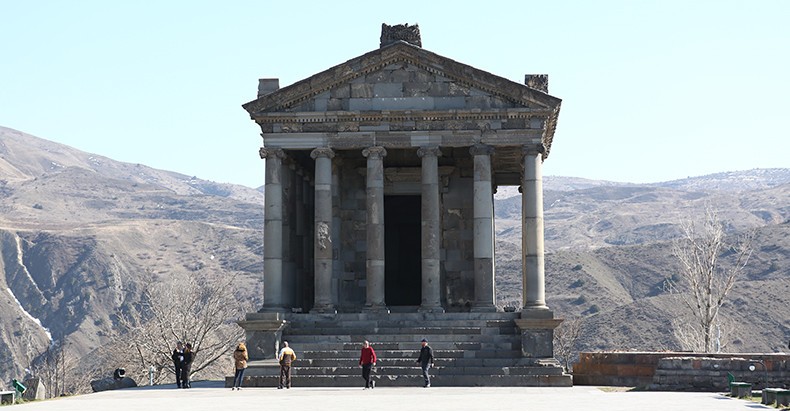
column 81, row 234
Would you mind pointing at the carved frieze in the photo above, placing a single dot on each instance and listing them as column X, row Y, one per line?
column 481, row 150
column 537, row 82
column 429, row 151
column 322, row 152
column 533, row 149
column 400, row 32
column 376, row 152
column 266, row 153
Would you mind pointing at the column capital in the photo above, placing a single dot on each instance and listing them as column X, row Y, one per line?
column 271, row 153
column 481, row 150
column 429, row 151
column 533, row 149
column 375, row 152
column 322, row 152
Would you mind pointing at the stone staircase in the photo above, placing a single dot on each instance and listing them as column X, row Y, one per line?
column 471, row 349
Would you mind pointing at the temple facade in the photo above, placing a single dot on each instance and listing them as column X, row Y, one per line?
column 379, row 183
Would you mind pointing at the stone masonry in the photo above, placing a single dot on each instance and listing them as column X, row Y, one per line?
column 380, row 174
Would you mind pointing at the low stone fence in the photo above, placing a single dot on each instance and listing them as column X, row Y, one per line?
column 681, row 370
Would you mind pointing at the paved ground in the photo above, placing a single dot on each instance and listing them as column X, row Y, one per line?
column 211, row 396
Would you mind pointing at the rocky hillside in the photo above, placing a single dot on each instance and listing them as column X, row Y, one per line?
column 80, row 234
column 609, row 251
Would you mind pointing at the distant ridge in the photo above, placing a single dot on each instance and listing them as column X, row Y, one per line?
column 26, row 157
column 754, row 179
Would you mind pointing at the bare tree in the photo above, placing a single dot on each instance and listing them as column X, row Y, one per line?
column 56, row 368
column 197, row 311
column 565, row 337
column 710, row 267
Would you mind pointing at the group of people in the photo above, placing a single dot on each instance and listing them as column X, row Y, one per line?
column 367, row 360
column 183, row 357
column 286, row 356
column 182, row 361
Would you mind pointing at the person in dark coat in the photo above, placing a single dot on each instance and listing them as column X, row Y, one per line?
column 367, row 360
column 186, row 369
column 426, row 362
column 178, row 362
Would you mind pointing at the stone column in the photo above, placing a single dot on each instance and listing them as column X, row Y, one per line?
column 300, row 231
column 289, row 235
column 308, row 241
column 323, row 246
column 533, row 274
column 431, row 230
column 375, row 228
column 483, row 214
column 273, row 231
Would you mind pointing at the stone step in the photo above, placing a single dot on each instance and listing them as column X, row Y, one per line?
column 409, row 361
column 406, row 346
column 396, row 354
column 377, row 340
column 412, row 380
column 300, row 369
column 414, row 318
column 358, row 330
column 380, row 353
column 340, row 323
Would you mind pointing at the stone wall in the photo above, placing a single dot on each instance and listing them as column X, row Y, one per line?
column 457, row 269
column 458, row 243
column 679, row 370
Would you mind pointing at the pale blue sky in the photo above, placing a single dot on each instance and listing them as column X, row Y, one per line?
column 652, row 90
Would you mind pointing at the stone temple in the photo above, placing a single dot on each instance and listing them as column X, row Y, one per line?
column 379, row 220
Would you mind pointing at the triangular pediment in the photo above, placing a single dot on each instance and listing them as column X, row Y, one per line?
column 405, row 77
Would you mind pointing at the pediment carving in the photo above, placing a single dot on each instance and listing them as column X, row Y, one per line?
column 362, row 71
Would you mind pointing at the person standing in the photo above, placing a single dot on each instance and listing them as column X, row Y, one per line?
column 367, row 360
column 186, row 369
column 425, row 361
column 240, row 358
column 286, row 357
column 178, row 361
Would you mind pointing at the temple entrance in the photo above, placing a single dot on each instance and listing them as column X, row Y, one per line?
column 402, row 248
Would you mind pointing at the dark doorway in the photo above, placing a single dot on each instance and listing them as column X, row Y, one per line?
column 402, row 255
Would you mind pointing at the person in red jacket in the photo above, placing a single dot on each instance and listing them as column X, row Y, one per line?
column 367, row 360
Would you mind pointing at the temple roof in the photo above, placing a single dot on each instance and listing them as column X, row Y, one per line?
column 310, row 95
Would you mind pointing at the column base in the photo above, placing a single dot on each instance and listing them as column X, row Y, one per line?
column 537, row 312
column 327, row 309
column 273, row 309
column 377, row 309
column 263, row 332
column 483, row 308
column 537, row 335
column 430, row 309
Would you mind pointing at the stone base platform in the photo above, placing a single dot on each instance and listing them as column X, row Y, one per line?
column 471, row 349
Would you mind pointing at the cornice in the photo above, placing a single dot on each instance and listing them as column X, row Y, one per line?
column 405, row 115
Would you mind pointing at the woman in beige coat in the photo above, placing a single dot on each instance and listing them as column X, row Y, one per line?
column 240, row 358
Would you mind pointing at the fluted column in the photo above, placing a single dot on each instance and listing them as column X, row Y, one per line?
column 431, row 230
column 375, row 228
column 533, row 268
column 322, row 254
column 273, row 230
column 483, row 214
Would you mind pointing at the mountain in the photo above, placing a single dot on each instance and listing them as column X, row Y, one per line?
column 81, row 234
column 609, row 250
